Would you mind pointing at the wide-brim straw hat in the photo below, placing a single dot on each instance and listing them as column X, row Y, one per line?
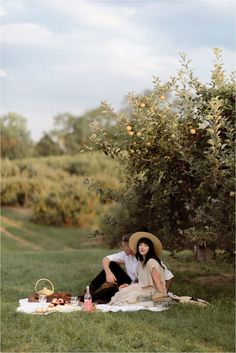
column 134, row 238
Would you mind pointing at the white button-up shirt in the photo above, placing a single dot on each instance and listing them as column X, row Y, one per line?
column 131, row 265
column 130, row 262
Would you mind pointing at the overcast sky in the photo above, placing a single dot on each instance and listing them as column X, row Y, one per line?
column 67, row 56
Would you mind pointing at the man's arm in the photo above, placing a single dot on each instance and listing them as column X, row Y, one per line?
column 119, row 258
column 110, row 277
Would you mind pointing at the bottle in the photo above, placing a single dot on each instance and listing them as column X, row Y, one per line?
column 88, row 305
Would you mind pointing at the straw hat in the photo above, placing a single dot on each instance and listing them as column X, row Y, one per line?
column 133, row 241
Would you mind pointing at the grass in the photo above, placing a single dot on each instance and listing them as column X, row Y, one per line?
column 183, row 328
column 21, row 234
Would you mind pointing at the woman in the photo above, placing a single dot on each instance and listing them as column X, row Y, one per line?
column 150, row 272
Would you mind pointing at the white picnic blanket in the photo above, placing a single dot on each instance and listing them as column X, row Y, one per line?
column 133, row 307
column 30, row 308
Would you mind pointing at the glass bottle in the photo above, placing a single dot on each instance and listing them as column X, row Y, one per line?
column 88, row 305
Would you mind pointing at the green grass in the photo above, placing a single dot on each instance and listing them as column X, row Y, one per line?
column 26, row 235
column 183, row 328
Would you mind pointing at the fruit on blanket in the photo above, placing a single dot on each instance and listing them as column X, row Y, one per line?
column 57, row 301
column 65, row 296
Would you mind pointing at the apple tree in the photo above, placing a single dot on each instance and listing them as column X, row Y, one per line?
column 176, row 149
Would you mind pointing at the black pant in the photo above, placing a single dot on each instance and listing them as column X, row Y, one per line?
column 105, row 294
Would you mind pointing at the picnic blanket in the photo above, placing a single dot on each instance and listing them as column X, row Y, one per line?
column 43, row 308
column 35, row 308
column 133, row 307
column 32, row 307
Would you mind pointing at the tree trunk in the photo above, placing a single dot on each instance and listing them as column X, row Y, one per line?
column 204, row 253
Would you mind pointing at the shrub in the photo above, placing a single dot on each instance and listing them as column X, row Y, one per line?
column 9, row 168
column 18, row 191
column 56, row 189
column 68, row 204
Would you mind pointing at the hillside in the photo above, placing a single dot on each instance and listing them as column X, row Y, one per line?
column 18, row 233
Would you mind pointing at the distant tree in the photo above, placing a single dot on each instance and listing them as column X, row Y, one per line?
column 71, row 132
column 47, row 147
column 16, row 142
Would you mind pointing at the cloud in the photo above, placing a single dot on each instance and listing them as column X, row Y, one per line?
column 3, row 73
column 2, row 12
column 205, row 54
column 8, row 8
column 219, row 5
column 95, row 15
column 129, row 59
column 69, row 55
column 190, row 9
column 27, row 34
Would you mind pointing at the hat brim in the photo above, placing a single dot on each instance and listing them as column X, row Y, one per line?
column 134, row 238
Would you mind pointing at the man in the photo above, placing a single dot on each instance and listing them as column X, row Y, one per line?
column 108, row 281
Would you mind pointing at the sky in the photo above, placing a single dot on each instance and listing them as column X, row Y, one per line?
column 62, row 56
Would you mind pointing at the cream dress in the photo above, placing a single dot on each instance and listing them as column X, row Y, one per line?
column 136, row 292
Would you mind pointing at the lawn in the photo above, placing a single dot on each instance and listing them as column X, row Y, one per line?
column 183, row 328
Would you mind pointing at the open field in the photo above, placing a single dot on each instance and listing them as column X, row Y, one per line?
column 183, row 328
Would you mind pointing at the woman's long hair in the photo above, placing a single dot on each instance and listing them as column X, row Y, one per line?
column 150, row 254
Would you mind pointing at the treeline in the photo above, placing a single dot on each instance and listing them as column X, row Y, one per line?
column 68, row 137
column 59, row 189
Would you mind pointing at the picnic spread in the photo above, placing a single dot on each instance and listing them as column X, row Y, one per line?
column 46, row 301
column 45, row 308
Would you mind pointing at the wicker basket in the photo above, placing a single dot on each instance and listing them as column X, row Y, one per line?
column 44, row 290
